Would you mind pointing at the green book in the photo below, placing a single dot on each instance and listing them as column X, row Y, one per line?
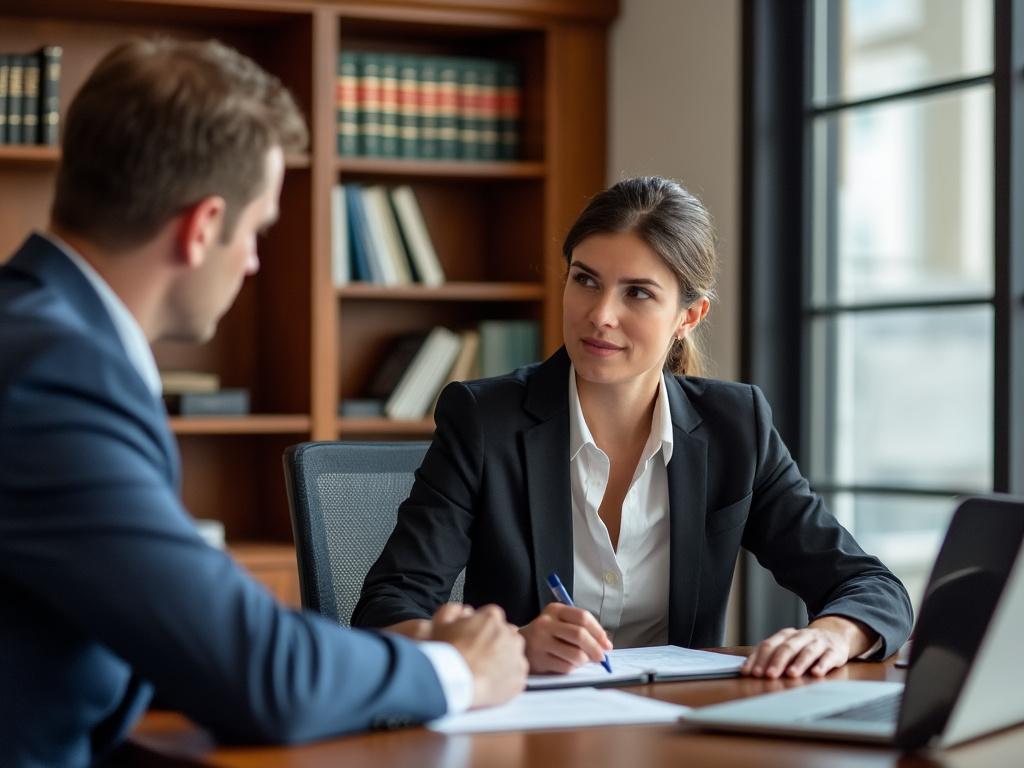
column 470, row 122
column 448, row 108
column 346, row 99
column 487, row 115
column 369, row 113
column 5, row 69
column 408, row 106
column 428, row 79
column 31, row 67
column 388, row 105
column 510, row 99
column 15, row 81
column 49, row 94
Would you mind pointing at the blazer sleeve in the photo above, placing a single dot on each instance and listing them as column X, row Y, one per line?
column 430, row 545
column 93, row 530
column 793, row 535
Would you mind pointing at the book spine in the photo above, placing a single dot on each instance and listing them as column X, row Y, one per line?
column 369, row 113
column 30, row 100
column 347, row 103
column 15, row 75
column 5, row 68
column 488, row 111
column 448, row 109
column 469, row 109
column 389, row 105
column 408, row 107
column 358, row 238
column 49, row 95
column 427, row 77
column 510, row 99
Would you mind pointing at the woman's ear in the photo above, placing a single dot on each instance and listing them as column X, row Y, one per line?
column 692, row 316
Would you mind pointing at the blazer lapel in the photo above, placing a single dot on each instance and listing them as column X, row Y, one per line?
column 546, row 450
column 687, row 498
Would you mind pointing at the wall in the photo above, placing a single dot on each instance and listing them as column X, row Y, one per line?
column 674, row 110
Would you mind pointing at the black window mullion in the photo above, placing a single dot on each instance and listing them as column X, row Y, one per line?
column 1008, row 379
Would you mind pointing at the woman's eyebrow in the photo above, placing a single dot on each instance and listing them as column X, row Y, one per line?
column 622, row 281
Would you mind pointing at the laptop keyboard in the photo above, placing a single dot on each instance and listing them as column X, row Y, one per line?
column 881, row 710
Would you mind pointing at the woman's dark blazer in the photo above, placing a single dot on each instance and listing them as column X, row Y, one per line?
column 492, row 495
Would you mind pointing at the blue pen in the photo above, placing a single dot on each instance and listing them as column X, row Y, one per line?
column 558, row 590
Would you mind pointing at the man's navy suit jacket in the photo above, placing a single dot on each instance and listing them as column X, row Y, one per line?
column 493, row 496
column 106, row 590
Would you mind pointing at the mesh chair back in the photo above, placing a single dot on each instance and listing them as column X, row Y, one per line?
column 344, row 500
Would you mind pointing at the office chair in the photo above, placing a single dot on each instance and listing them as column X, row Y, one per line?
column 344, row 500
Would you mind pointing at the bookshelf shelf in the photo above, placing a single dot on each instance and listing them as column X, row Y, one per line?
column 456, row 291
column 36, row 155
column 439, row 169
column 269, row 424
column 421, row 428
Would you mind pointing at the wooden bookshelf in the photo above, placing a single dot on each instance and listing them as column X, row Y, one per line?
column 292, row 339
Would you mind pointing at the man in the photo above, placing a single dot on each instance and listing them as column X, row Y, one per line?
column 173, row 158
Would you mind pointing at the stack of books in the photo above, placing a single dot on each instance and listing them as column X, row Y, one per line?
column 197, row 393
column 427, row 107
column 378, row 236
column 30, row 97
column 419, row 365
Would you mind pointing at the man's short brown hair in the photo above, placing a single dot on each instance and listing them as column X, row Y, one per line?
column 158, row 126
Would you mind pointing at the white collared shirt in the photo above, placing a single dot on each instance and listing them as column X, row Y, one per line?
column 451, row 669
column 626, row 589
column 134, row 341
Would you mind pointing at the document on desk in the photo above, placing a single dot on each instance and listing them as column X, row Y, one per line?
column 575, row 708
column 645, row 665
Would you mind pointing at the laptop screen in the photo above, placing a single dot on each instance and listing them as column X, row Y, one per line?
column 968, row 578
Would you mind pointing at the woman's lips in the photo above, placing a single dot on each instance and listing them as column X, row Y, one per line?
column 600, row 348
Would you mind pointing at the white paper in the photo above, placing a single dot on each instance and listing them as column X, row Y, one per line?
column 632, row 663
column 569, row 708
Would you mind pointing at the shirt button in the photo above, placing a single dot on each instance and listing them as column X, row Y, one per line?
column 611, row 578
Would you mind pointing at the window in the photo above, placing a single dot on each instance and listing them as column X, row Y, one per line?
column 893, row 126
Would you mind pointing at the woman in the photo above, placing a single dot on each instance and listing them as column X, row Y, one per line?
column 613, row 464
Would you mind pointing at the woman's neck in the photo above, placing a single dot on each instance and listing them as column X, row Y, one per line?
column 618, row 414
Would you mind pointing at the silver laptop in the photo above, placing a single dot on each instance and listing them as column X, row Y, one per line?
column 966, row 673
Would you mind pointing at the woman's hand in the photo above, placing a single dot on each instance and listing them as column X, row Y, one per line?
column 562, row 638
column 825, row 644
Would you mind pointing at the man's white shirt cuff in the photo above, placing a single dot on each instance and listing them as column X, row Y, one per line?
column 453, row 672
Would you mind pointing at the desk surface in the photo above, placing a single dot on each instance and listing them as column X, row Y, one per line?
column 179, row 742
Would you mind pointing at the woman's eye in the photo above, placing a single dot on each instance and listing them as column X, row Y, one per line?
column 635, row 292
column 584, row 279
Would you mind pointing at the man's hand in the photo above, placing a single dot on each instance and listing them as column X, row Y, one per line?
column 562, row 638
column 492, row 648
column 825, row 644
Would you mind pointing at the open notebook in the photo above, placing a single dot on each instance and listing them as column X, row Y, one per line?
column 645, row 665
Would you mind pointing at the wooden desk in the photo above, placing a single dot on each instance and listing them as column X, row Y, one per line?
column 176, row 741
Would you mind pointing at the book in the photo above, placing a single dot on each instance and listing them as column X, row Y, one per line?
column 417, row 239
column 179, row 382
column 422, row 380
column 364, row 262
column 469, row 100
column 427, row 86
column 5, row 69
column 509, row 109
column 30, row 99
column 369, row 105
column 637, row 666
column 389, row 105
column 506, row 345
column 347, row 103
column 488, row 118
column 223, row 402
column 340, row 271
column 467, row 362
column 408, row 106
column 387, row 240
column 15, row 84
column 448, row 108
column 49, row 94
column 394, row 364
column 361, row 407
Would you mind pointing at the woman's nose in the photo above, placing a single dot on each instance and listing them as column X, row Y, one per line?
column 604, row 311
